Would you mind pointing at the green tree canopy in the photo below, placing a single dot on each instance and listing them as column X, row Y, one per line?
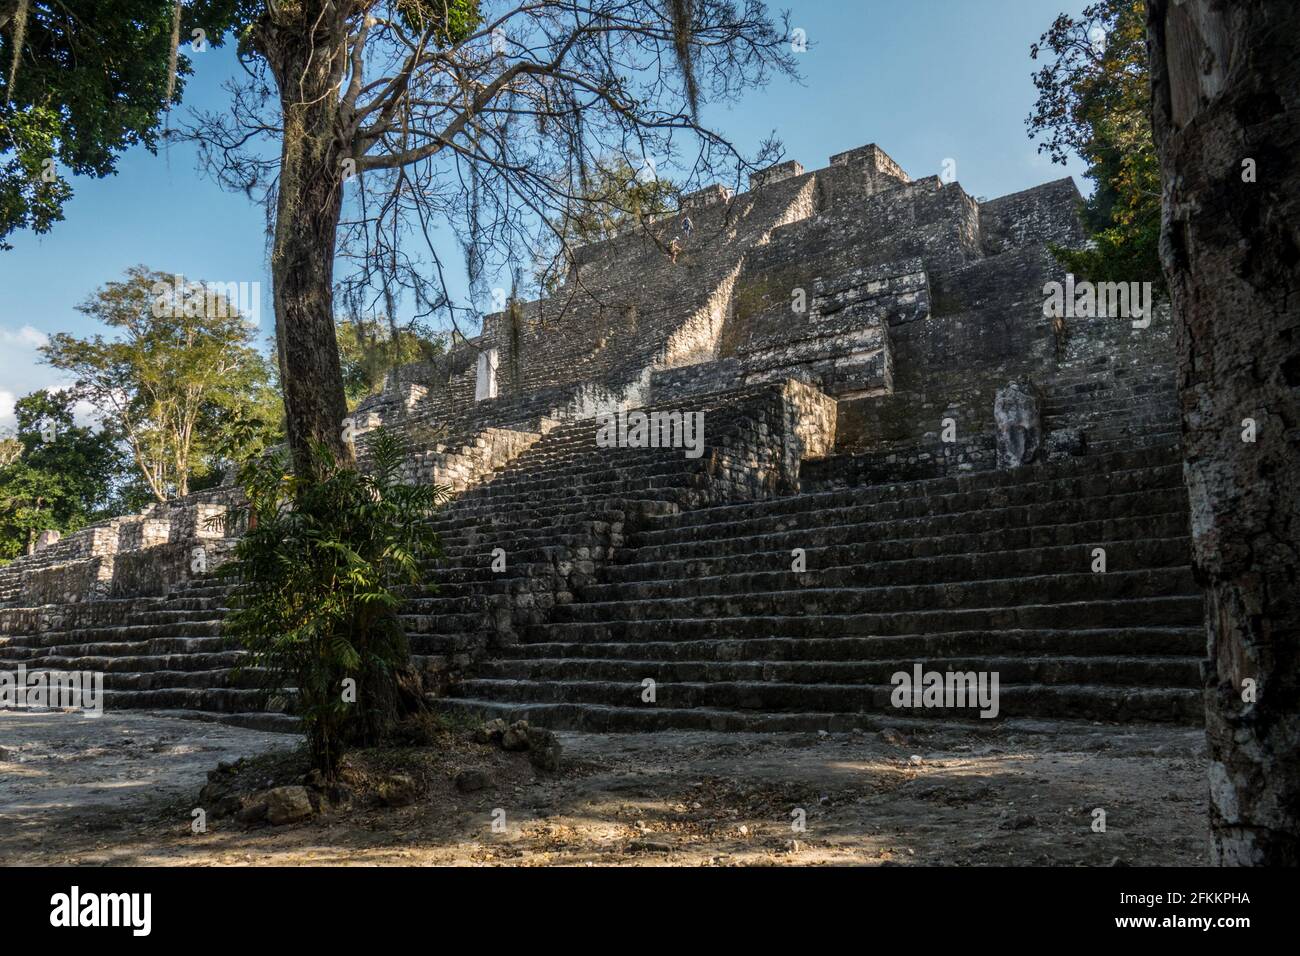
column 181, row 382
column 1094, row 100
column 369, row 348
column 54, row 474
column 80, row 81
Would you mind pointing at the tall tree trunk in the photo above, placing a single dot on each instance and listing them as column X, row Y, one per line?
column 306, row 50
column 307, row 59
column 1226, row 104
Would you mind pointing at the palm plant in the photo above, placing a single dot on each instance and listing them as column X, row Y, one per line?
column 319, row 576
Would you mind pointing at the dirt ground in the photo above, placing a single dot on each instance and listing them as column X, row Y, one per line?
column 120, row 790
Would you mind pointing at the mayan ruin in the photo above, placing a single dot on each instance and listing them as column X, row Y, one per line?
column 648, row 434
column 824, row 429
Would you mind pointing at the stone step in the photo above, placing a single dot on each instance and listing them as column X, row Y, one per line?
column 173, row 616
column 937, row 496
column 1111, row 374
column 561, row 495
column 595, row 718
column 1029, row 700
column 136, row 663
column 115, row 634
column 525, row 548
column 211, row 699
column 540, row 537
column 529, row 527
column 1120, row 366
column 759, row 552
column 209, row 586
column 1170, row 439
column 581, row 481
column 444, row 642
column 653, row 580
column 187, row 678
column 154, row 646
column 568, row 510
column 1110, row 405
column 887, row 522
column 875, row 563
column 187, row 605
column 651, row 604
column 417, row 621
column 1090, row 614
column 1108, row 426
column 1155, row 395
column 1148, row 642
column 1128, row 670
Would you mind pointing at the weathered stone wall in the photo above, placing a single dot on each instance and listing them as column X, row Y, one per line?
column 1036, row 216
column 986, row 326
column 868, row 253
column 756, row 440
column 909, row 303
column 159, row 570
column 136, row 554
column 81, row 580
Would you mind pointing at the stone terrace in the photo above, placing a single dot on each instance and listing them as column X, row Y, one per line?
column 857, row 510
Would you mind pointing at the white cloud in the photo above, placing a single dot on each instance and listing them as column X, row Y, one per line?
column 7, row 419
column 21, row 371
column 26, row 337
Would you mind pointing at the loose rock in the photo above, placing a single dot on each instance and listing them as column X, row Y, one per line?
column 492, row 731
column 469, row 781
column 399, row 790
column 287, row 805
column 544, row 750
column 516, row 736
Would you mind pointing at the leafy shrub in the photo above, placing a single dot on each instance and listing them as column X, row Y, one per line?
column 319, row 573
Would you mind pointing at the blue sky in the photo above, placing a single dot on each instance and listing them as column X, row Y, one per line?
column 926, row 80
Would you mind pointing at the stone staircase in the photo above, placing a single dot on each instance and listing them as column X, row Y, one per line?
column 461, row 462
column 623, row 565
column 575, row 574
column 561, row 510
column 557, row 508
column 164, row 654
column 1114, row 408
column 988, row 571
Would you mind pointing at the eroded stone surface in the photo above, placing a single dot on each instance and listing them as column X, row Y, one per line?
column 1019, row 426
column 843, row 335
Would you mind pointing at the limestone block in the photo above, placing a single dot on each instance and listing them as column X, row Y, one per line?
column 1019, row 425
column 485, row 376
column 708, row 196
column 774, row 174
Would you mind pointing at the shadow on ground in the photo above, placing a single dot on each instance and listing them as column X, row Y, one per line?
column 120, row 790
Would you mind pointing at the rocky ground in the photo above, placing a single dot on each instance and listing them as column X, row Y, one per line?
column 122, row 789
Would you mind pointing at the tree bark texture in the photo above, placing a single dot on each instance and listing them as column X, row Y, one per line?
column 1226, row 115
